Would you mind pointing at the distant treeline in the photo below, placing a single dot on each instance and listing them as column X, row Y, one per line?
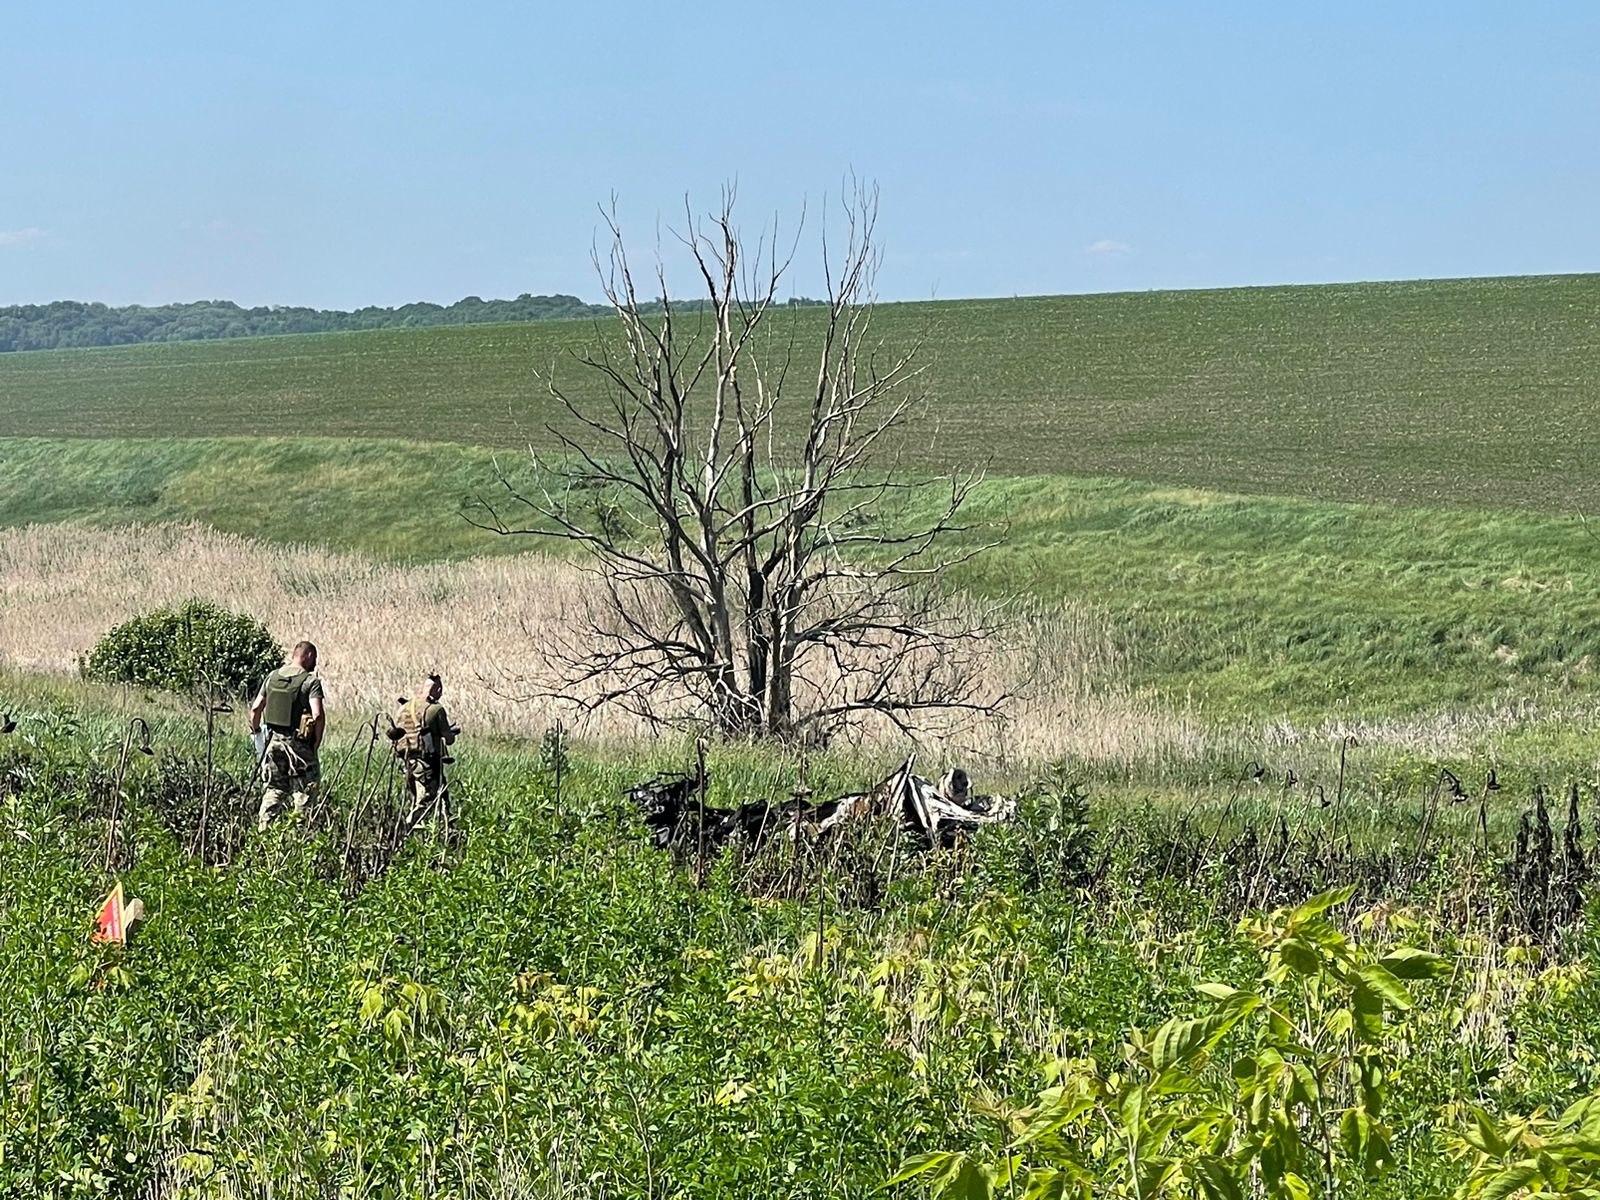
column 71, row 323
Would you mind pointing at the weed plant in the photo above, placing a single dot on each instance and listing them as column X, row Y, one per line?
column 536, row 1002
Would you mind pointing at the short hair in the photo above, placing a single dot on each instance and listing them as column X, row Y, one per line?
column 302, row 649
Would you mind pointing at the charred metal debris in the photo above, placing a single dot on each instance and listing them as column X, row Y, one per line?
column 678, row 816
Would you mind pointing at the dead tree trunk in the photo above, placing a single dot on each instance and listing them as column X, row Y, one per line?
column 742, row 499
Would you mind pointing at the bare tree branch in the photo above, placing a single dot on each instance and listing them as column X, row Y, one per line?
column 764, row 567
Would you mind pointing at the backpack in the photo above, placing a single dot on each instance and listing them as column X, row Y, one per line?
column 415, row 740
column 286, row 701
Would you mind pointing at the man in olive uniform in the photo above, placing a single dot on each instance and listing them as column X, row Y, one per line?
column 426, row 731
column 289, row 705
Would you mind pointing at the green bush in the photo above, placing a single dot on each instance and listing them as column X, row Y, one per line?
column 179, row 649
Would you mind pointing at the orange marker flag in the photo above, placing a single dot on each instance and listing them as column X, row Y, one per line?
column 109, row 925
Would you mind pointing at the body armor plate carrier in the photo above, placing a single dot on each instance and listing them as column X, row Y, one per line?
column 287, row 705
column 418, row 741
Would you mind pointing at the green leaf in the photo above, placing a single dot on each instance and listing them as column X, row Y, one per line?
column 1292, row 1187
column 1407, row 962
column 1217, row 991
column 1132, row 1108
column 371, row 1004
column 1355, row 1130
column 1154, row 1174
column 1486, row 1135
column 1046, row 1183
column 1216, row 1180
column 1369, row 1081
column 1299, row 957
column 1174, row 1081
column 1180, row 1042
column 1059, row 1107
column 1366, row 1006
column 1320, row 904
column 972, row 1182
column 1305, row 1086
column 941, row 1165
column 1066, row 1178
column 1584, row 1116
column 1380, row 980
column 1508, row 1182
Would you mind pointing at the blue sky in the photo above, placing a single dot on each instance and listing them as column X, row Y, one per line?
column 344, row 154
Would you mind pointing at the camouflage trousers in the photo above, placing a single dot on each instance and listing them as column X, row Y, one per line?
column 429, row 791
column 291, row 773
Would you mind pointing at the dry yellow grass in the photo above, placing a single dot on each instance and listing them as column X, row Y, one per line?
column 482, row 622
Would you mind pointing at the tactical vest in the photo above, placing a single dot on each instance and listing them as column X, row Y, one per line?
column 287, row 702
column 418, row 741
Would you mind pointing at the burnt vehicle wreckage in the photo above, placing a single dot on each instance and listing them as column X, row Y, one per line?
column 678, row 817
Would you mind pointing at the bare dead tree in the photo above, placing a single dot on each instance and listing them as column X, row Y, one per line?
column 766, row 564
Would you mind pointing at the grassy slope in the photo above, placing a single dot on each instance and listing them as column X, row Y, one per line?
column 1458, row 393
column 390, row 499
column 1245, row 605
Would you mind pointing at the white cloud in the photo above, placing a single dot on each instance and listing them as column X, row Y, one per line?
column 21, row 237
column 1107, row 248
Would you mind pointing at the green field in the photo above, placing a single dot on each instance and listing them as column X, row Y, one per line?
column 1315, row 503
column 1280, row 515
column 1239, row 606
column 1465, row 393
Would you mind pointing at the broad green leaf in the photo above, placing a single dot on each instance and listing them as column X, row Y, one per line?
column 1554, row 1172
column 1485, row 1134
column 1292, row 1187
column 1154, row 1174
column 1060, row 1107
column 372, row 1004
column 1332, row 898
column 1324, row 933
column 1355, row 1129
column 972, row 1182
column 1508, row 1182
column 1133, row 1112
column 1217, row 991
column 1305, row 1087
column 1584, row 1149
column 1221, row 1134
column 1180, row 1042
column 1174, row 1081
column 1383, row 982
column 1369, row 1081
column 1215, row 1178
column 1407, row 962
column 941, row 1164
column 1584, row 1116
column 1157, row 1128
column 1046, row 1183
column 1299, row 957
column 1366, row 1007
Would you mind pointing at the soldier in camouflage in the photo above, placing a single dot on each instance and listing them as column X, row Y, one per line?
column 289, row 707
column 425, row 731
